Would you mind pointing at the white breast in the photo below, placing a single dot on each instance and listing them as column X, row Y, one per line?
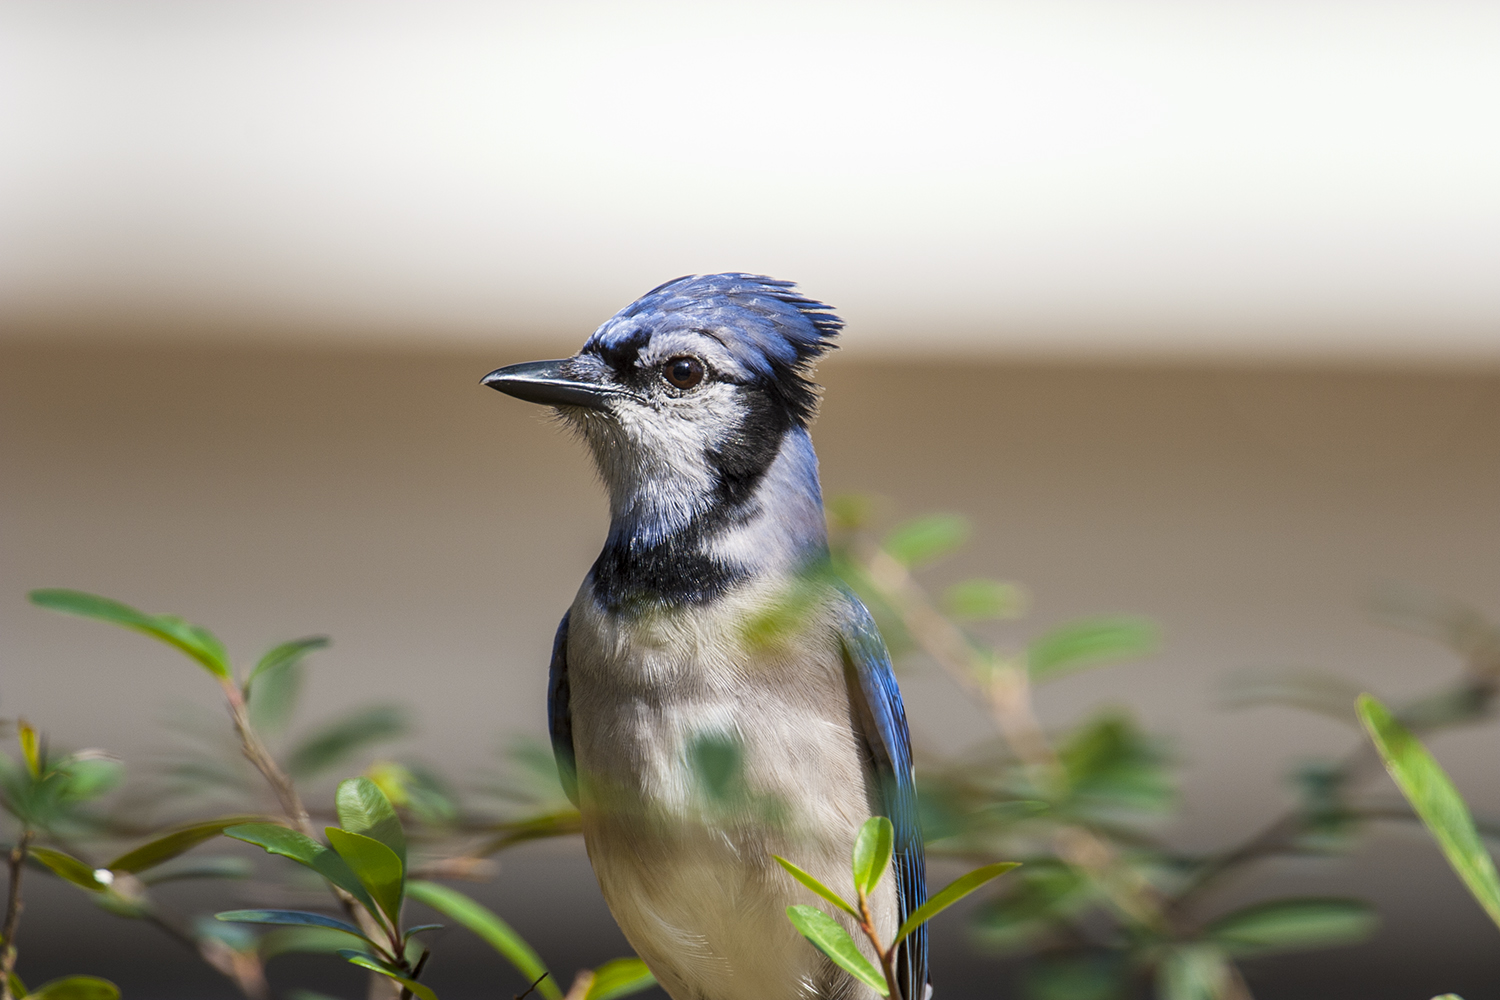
column 688, row 874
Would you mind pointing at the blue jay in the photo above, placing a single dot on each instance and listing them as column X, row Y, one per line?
column 695, row 401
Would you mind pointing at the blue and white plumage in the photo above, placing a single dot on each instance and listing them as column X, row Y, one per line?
column 695, row 401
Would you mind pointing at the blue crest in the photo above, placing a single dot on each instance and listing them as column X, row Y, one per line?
column 769, row 329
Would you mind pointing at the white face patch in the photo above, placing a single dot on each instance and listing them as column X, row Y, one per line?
column 652, row 448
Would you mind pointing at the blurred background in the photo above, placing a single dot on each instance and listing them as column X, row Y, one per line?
column 1190, row 307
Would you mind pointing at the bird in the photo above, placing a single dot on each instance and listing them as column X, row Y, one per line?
column 716, row 696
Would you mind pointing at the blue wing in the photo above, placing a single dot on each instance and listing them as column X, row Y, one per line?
column 877, row 704
column 560, row 714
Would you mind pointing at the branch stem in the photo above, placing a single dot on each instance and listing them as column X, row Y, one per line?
column 13, row 906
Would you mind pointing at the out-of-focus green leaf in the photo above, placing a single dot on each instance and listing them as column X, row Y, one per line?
column 308, row 995
column 67, row 867
column 1431, row 793
column 787, row 614
column 952, row 893
column 850, row 511
column 194, row 640
column 1449, row 996
column 131, row 907
column 923, row 540
column 816, row 886
column 717, row 761
column 273, row 687
column 376, row 865
column 304, row 850
column 619, row 977
column 553, row 824
column 1193, row 972
column 1292, row 925
column 291, row 918
column 76, row 988
column 418, row 789
column 1089, row 642
column 872, row 852
column 1311, row 690
column 1112, row 765
column 287, row 652
column 366, row 962
column 364, row 809
column 1461, row 628
column 1043, row 893
column 829, row 937
column 31, row 748
column 195, row 868
column 496, row 932
column 308, row 940
column 87, row 775
column 1086, row 975
column 338, row 740
column 1466, row 703
column 984, row 600
column 173, row 844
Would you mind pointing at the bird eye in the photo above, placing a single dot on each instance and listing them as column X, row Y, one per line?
column 684, row 373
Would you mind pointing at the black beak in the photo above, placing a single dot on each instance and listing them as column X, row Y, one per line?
column 543, row 382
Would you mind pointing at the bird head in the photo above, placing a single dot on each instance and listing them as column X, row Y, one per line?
column 689, row 395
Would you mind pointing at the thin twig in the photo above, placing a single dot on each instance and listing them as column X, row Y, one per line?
column 13, row 907
column 285, row 790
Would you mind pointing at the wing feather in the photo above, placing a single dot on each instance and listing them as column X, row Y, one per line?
column 560, row 714
column 877, row 701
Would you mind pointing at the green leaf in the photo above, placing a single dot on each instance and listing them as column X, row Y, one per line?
column 1087, row 642
column 496, row 932
column 286, row 653
column 872, row 852
column 1436, row 801
column 955, row 890
column 210, row 867
column 338, row 740
column 31, row 747
column 619, row 977
column 829, row 937
column 170, row 846
column 376, row 865
column 88, row 774
column 984, row 600
column 816, row 886
column 17, row 988
column 1193, row 972
column 304, row 850
column 717, row 761
column 68, row 867
column 364, row 809
column 196, row 641
column 1312, row 690
column 290, row 918
column 273, row 687
column 1078, row 975
column 1112, row 765
column 925, row 539
column 284, row 940
column 76, row 988
column 366, row 962
column 1292, row 924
